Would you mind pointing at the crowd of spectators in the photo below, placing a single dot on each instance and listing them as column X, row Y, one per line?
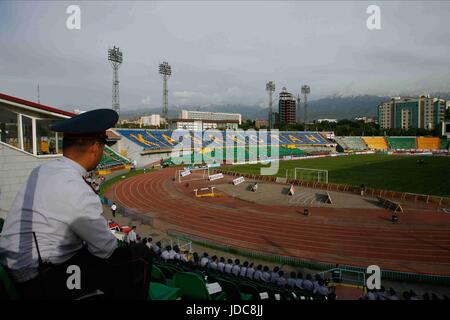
column 315, row 284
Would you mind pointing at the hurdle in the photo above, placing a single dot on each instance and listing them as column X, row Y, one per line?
column 205, row 192
column 390, row 205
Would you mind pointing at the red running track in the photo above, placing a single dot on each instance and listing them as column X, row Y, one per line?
column 419, row 243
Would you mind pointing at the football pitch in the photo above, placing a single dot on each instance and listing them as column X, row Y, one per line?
column 389, row 172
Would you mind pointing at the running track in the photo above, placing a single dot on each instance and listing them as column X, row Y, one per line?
column 419, row 243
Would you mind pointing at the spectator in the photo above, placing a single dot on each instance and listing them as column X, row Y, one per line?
column 307, row 283
column 195, row 259
column 184, row 256
column 172, row 254
column 221, row 264
column 274, row 275
column 292, row 279
column 148, row 242
column 177, row 255
column 406, row 295
column 113, row 209
column 265, row 275
column 281, row 279
column 258, row 273
column 426, row 296
column 243, row 271
column 250, row 271
column 413, row 295
column 132, row 237
column 392, row 294
column 205, row 260
column 321, row 288
column 381, row 294
column 213, row 264
column 165, row 254
column 236, row 268
column 299, row 281
column 157, row 248
column 228, row 266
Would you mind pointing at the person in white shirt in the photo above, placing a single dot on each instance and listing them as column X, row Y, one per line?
column 274, row 275
column 258, row 273
column 172, row 253
column 221, row 264
column 250, row 271
column 243, row 271
column 165, row 254
column 281, row 281
column 132, row 236
column 299, row 281
column 236, row 268
column 113, row 209
column 292, row 279
column 307, row 284
column 228, row 266
column 265, row 274
column 213, row 264
column 148, row 242
column 204, row 260
column 321, row 288
column 156, row 247
column 56, row 221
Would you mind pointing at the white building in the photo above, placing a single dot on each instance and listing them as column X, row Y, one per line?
column 151, row 120
column 200, row 120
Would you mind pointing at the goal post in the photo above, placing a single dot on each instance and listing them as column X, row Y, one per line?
column 308, row 174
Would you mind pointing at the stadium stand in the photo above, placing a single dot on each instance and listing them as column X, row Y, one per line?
column 402, row 143
column 428, row 143
column 111, row 159
column 351, row 143
column 376, row 143
column 161, row 139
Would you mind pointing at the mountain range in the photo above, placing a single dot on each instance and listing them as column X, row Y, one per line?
column 331, row 107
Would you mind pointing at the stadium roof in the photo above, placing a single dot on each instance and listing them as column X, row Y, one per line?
column 35, row 105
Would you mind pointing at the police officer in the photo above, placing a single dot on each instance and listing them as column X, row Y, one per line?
column 56, row 222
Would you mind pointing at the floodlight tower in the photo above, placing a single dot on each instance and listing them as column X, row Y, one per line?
column 115, row 58
column 165, row 70
column 270, row 86
column 306, row 90
column 298, row 108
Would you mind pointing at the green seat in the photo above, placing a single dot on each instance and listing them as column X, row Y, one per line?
column 158, row 275
column 159, row 291
column 232, row 290
column 248, row 288
column 7, row 288
column 193, row 287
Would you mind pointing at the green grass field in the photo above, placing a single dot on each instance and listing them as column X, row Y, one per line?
column 397, row 173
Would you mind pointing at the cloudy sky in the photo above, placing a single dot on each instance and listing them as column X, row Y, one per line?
column 221, row 52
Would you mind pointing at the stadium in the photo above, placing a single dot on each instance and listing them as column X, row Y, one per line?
column 328, row 209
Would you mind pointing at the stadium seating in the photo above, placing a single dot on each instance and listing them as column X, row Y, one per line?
column 161, row 139
column 111, row 159
column 428, row 143
column 402, row 143
column 351, row 143
column 376, row 143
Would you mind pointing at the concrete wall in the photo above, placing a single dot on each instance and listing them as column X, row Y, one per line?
column 15, row 166
column 133, row 152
